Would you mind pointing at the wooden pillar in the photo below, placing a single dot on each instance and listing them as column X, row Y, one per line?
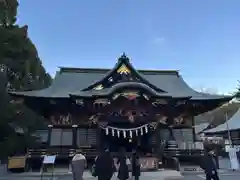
column 74, row 139
column 99, row 140
column 193, row 129
column 159, row 149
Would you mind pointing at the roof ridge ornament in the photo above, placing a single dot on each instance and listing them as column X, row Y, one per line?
column 123, row 58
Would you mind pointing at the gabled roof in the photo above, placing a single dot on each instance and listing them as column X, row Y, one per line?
column 79, row 81
column 232, row 124
column 200, row 127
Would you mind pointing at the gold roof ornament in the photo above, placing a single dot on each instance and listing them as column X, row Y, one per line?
column 123, row 69
column 130, row 95
column 98, row 87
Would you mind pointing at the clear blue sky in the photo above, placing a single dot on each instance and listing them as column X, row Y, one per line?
column 201, row 38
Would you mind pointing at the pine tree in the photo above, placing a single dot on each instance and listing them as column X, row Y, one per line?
column 20, row 69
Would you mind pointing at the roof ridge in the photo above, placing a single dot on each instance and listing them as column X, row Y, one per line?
column 105, row 70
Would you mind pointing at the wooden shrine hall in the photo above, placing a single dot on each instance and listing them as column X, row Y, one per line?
column 151, row 111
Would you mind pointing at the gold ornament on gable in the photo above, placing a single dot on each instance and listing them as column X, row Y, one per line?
column 123, row 69
column 130, row 95
column 98, row 87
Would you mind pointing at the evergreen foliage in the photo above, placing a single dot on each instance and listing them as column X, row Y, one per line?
column 20, row 69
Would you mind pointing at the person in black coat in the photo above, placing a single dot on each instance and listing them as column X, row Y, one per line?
column 209, row 165
column 104, row 166
column 136, row 172
column 123, row 172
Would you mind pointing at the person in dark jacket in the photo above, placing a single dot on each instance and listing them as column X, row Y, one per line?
column 123, row 172
column 210, row 165
column 104, row 166
column 136, row 172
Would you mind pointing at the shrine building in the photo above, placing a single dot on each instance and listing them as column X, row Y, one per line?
column 151, row 111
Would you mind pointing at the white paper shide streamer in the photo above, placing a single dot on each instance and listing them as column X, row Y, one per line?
column 126, row 132
column 130, row 133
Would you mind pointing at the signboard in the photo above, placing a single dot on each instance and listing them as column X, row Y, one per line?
column 17, row 162
column 49, row 159
column 233, row 158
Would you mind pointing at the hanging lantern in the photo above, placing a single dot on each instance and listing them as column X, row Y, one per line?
column 118, row 133
column 136, row 132
column 141, row 131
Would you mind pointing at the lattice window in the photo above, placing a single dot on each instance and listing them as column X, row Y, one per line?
column 61, row 137
column 86, row 137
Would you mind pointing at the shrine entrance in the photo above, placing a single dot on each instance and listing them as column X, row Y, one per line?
column 115, row 144
column 130, row 139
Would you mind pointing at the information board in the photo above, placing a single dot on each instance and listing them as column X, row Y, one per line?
column 49, row 159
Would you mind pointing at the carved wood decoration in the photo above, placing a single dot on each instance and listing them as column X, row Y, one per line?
column 79, row 102
column 158, row 102
column 153, row 125
column 94, row 119
column 183, row 120
column 161, row 119
column 17, row 101
column 146, row 96
column 131, row 115
column 104, row 102
column 61, row 119
column 130, row 95
column 182, row 102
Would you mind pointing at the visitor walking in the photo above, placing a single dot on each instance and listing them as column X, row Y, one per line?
column 123, row 172
column 104, row 166
column 210, row 165
column 78, row 166
column 136, row 172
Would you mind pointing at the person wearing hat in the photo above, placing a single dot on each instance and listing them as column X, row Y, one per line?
column 78, row 165
column 104, row 166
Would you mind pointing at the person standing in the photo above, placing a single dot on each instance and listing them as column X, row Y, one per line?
column 210, row 165
column 123, row 172
column 104, row 166
column 136, row 171
column 78, row 166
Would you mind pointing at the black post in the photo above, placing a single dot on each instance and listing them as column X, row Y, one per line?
column 159, row 147
column 99, row 140
column 74, row 139
column 49, row 135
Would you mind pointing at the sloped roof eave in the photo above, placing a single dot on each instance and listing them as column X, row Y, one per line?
column 232, row 124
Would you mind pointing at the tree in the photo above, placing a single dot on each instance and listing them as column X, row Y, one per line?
column 237, row 94
column 20, row 69
column 8, row 12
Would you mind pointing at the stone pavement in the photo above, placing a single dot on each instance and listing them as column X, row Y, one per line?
column 156, row 175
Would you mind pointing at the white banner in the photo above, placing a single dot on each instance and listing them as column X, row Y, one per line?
column 233, row 158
